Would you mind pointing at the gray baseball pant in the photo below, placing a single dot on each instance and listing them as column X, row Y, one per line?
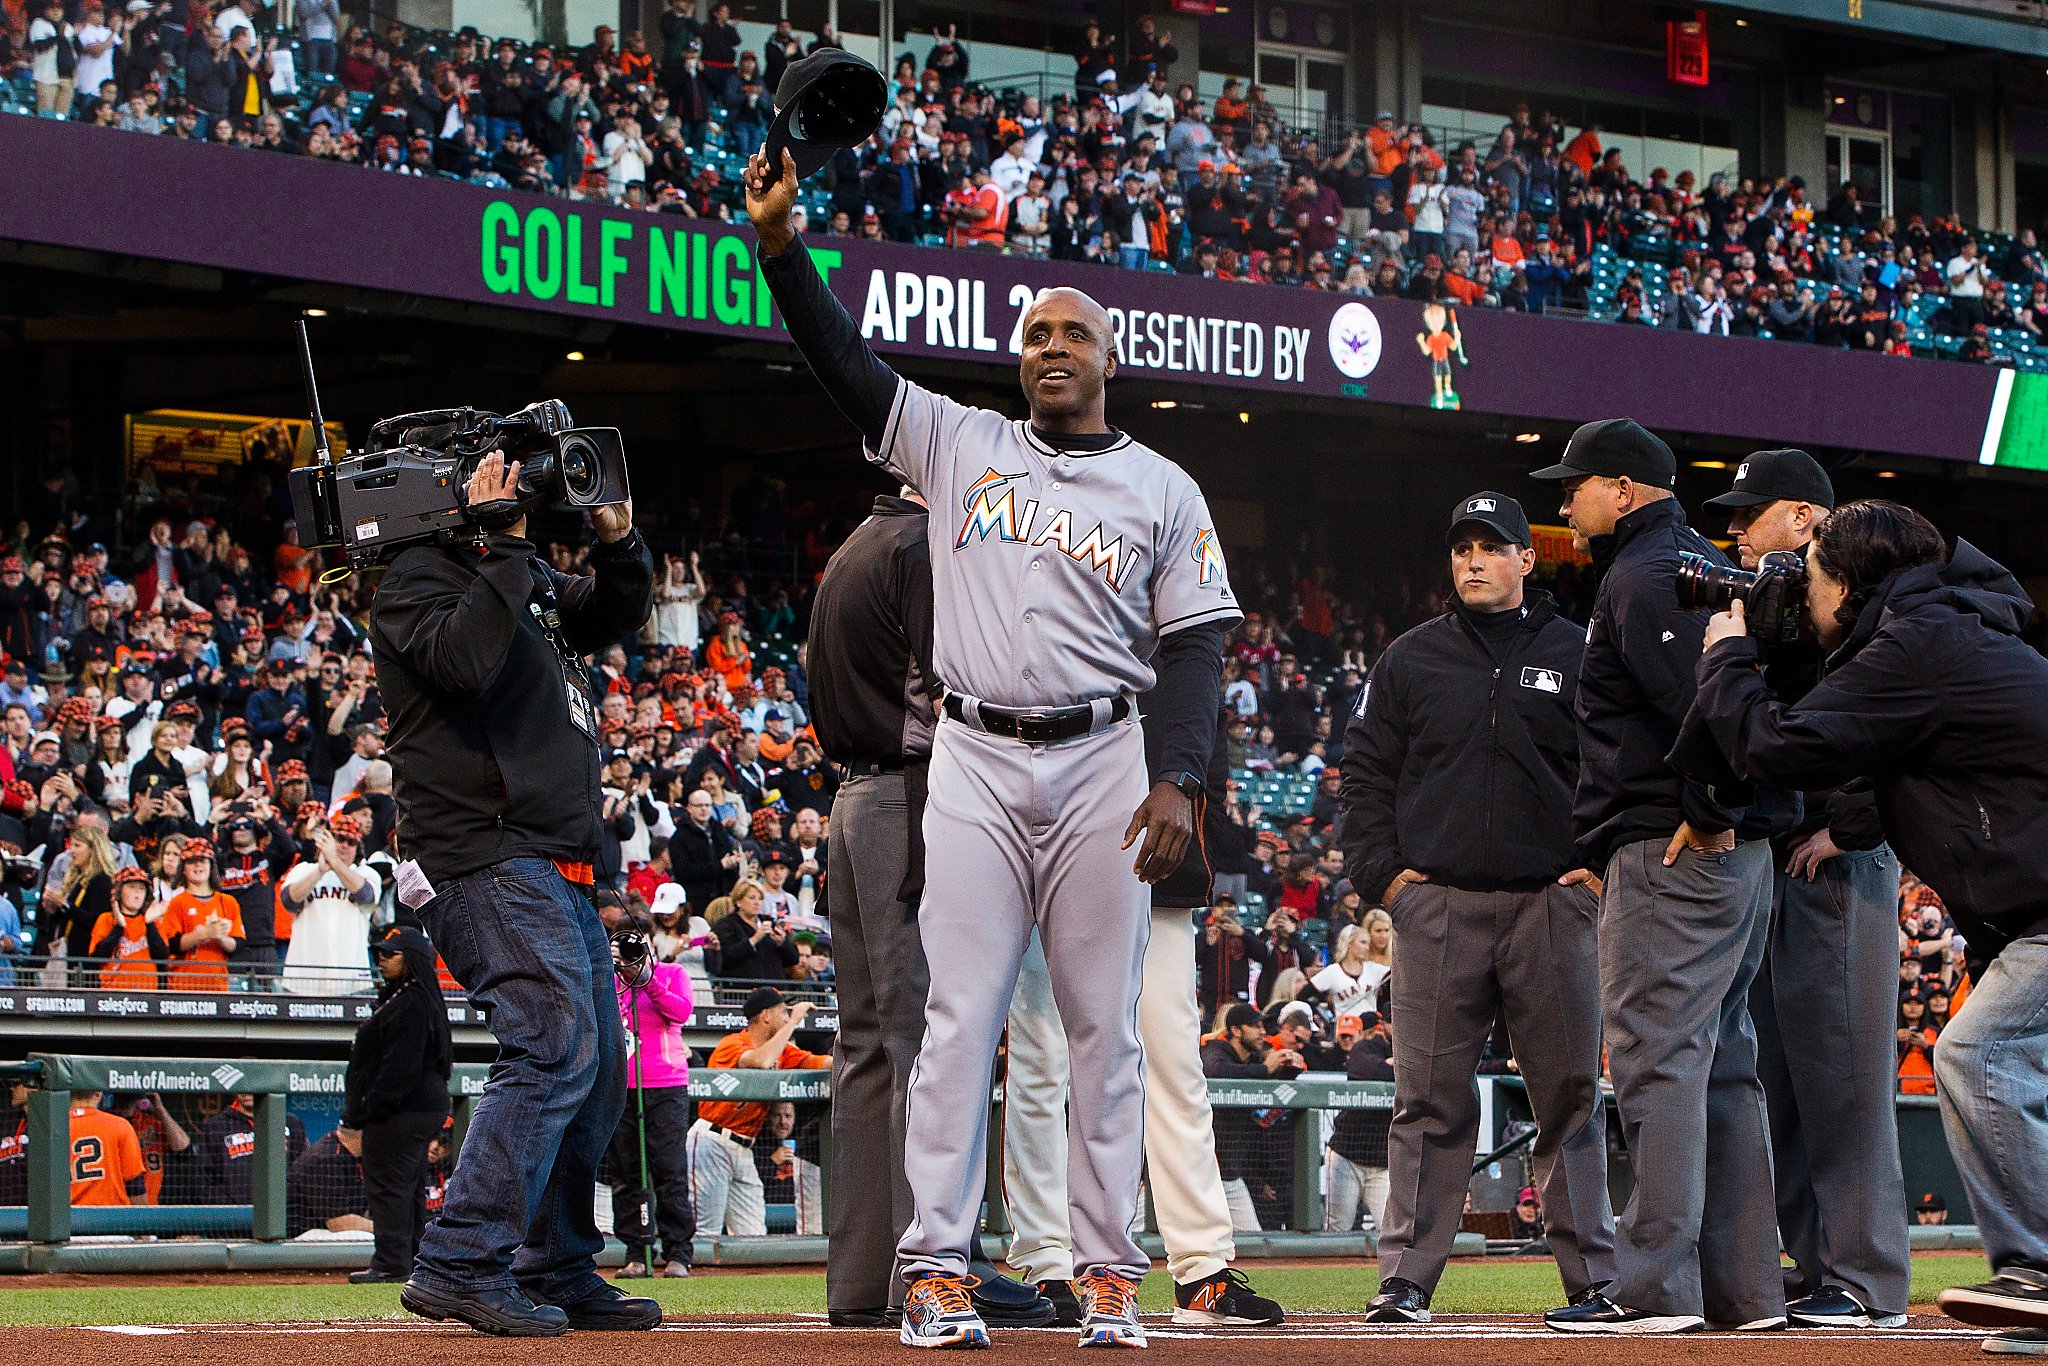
column 1679, row 948
column 882, row 985
column 1460, row 957
column 1831, row 974
column 1020, row 836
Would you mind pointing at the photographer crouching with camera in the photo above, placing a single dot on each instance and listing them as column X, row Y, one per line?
column 495, row 754
column 1931, row 694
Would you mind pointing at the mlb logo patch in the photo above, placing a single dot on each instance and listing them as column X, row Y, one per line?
column 1480, row 505
column 1543, row 680
column 1742, row 472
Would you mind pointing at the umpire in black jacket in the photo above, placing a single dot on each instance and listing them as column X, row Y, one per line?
column 495, row 754
column 1932, row 694
column 1825, row 1002
column 1684, row 913
column 397, row 1097
column 1458, row 770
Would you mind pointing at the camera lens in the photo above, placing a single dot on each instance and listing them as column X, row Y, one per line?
column 580, row 468
column 1704, row 586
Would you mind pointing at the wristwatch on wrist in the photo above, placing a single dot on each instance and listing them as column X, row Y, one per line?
column 1190, row 786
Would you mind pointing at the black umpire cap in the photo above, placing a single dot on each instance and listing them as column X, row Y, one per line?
column 1771, row 476
column 829, row 100
column 1495, row 511
column 1615, row 447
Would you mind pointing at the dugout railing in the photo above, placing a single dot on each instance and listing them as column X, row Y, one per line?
column 1283, row 1128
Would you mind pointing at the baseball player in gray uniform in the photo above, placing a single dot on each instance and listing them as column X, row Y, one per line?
column 1072, row 569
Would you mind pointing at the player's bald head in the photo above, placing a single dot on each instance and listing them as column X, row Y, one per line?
column 1064, row 303
column 1069, row 354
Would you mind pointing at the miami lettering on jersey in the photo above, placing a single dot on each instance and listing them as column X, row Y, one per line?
column 992, row 509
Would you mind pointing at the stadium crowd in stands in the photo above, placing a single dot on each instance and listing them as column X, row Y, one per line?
column 1129, row 170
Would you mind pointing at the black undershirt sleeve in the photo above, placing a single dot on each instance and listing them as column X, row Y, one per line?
column 853, row 375
column 1189, row 666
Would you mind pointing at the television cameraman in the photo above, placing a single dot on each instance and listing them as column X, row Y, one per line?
column 1932, row 695
column 495, row 752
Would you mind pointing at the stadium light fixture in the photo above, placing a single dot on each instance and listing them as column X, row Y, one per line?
column 574, row 355
column 1887, row 474
column 1528, row 438
column 1164, row 404
column 1742, row 23
column 315, row 313
column 1710, row 464
column 1244, row 417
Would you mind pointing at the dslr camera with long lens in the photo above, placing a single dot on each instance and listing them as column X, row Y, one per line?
column 410, row 481
column 1773, row 598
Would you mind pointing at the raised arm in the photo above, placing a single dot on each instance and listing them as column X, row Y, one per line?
column 853, row 375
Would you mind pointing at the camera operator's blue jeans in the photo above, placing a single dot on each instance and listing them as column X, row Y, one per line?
column 1991, row 1071
column 528, row 946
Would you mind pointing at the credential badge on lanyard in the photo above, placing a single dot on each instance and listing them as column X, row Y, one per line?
column 548, row 616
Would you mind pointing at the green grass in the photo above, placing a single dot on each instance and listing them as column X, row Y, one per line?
column 1468, row 1287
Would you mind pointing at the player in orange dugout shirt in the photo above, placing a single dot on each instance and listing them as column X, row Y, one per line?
column 106, row 1157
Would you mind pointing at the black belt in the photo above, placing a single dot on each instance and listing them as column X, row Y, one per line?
column 869, row 768
column 1036, row 725
column 740, row 1139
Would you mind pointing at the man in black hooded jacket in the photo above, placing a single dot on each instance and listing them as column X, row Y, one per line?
column 1934, row 697
column 397, row 1097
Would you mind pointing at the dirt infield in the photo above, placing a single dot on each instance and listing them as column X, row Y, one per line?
column 1453, row 1339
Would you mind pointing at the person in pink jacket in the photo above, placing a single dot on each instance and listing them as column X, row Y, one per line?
column 648, row 1155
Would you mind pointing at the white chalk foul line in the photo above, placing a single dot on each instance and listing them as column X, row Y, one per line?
column 1306, row 1328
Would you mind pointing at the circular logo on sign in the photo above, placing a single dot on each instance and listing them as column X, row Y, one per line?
column 1355, row 341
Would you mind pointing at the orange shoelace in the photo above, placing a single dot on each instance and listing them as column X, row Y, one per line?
column 947, row 1293
column 1111, row 1295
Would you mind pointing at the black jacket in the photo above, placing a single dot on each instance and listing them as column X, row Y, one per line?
column 1461, row 759
column 750, row 961
column 1361, row 1135
column 871, row 640
column 1635, row 685
column 696, row 857
column 1233, row 1123
column 487, row 764
column 403, row 1054
column 1937, row 700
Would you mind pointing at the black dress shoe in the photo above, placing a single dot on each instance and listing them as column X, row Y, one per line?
column 1065, row 1303
column 611, row 1310
column 374, row 1277
column 1399, row 1301
column 501, row 1313
column 1006, row 1303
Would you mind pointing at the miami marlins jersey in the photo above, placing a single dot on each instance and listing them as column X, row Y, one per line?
column 1054, row 574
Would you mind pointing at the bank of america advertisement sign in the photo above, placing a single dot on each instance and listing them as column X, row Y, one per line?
column 300, row 219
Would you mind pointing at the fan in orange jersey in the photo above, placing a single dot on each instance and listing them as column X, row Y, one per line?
column 203, row 925
column 135, row 955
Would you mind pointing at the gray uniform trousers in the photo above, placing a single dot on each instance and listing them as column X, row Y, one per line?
column 882, row 982
column 1830, row 981
column 1679, row 948
column 1458, row 958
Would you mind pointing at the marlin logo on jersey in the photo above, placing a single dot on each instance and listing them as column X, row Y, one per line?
column 1208, row 553
column 992, row 509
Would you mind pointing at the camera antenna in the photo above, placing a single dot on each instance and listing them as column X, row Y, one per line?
column 321, row 454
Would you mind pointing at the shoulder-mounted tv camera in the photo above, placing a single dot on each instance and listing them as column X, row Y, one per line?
column 409, row 483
